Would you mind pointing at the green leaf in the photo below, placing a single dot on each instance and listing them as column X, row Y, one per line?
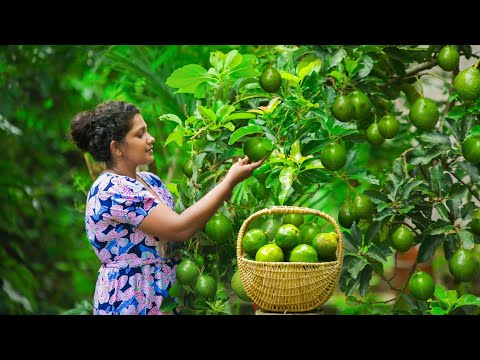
column 224, row 111
column 313, row 176
column 240, row 116
column 440, row 292
column 438, row 311
column 307, row 65
column 408, row 186
column 377, row 195
column 473, row 131
column 243, row 131
column 440, row 182
column 363, row 176
column 456, row 112
column 187, row 78
column 428, row 247
column 232, row 59
column 467, row 239
column 208, row 113
column 439, row 227
column 229, row 126
column 442, row 211
column 376, row 253
column 171, row 117
column 177, row 136
column 365, row 277
column 356, row 265
column 351, row 65
column 356, row 234
column 349, row 241
column 435, row 138
column 246, row 69
column 471, row 170
column 168, row 304
column 366, row 66
column 468, row 299
column 372, row 231
column 286, row 177
column 295, row 153
column 409, row 300
column 337, row 58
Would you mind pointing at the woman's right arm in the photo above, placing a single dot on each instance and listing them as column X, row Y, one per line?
column 165, row 223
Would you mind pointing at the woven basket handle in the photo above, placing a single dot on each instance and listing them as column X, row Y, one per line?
column 289, row 210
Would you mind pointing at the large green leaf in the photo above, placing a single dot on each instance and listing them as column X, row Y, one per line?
column 187, row 78
column 243, row 131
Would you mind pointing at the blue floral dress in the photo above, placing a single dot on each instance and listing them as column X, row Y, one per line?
column 136, row 272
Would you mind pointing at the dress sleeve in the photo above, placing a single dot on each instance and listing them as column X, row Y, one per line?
column 126, row 202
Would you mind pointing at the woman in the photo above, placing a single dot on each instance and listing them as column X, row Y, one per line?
column 130, row 215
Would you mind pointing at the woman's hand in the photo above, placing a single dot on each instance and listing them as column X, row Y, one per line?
column 242, row 170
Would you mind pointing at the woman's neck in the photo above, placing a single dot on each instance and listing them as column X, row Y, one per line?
column 122, row 170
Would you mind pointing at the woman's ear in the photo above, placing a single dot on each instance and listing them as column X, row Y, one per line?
column 115, row 148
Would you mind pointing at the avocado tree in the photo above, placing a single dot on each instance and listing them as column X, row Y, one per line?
column 349, row 130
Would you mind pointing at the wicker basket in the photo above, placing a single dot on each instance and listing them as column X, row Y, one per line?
column 289, row 286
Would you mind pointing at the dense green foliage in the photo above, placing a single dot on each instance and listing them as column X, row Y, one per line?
column 203, row 103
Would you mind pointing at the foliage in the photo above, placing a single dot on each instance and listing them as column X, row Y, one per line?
column 203, row 103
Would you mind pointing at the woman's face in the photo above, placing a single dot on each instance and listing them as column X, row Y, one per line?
column 138, row 144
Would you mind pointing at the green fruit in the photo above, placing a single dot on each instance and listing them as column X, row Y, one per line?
column 362, row 105
column 237, row 287
column 448, row 58
column 325, row 244
column 333, row 156
column 402, row 238
column 303, row 253
column 187, row 272
column 253, row 240
column 219, row 228
column 270, row 80
column 343, row 108
column 463, row 265
column 471, row 149
column 206, row 286
column 363, row 206
column 309, row 230
column 424, row 114
column 388, row 126
column 475, row 223
column 347, row 214
column 467, row 84
column 288, row 236
column 256, row 148
column 421, row 286
column 258, row 189
column 294, row 219
column 270, row 253
column 187, row 168
column 373, row 135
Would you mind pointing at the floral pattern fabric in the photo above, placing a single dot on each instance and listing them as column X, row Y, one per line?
column 136, row 272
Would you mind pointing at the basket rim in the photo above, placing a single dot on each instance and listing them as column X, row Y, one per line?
column 285, row 209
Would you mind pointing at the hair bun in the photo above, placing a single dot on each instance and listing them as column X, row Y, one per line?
column 81, row 128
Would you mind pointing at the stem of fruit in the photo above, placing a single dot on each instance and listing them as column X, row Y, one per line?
column 476, row 64
column 449, row 104
column 404, row 162
column 421, row 86
column 435, row 75
column 248, row 97
column 463, row 183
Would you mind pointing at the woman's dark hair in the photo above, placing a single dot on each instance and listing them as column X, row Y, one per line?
column 93, row 130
